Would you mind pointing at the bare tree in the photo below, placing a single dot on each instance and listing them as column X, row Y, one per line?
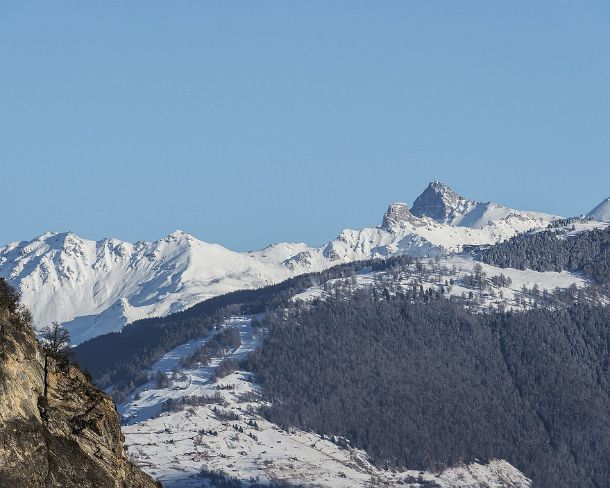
column 55, row 339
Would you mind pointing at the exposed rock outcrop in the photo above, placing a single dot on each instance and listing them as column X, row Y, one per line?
column 396, row 215
column 442, row 204
column 70, row 438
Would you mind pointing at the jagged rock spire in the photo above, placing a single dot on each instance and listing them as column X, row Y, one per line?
column 439, row 202
column 396, row 214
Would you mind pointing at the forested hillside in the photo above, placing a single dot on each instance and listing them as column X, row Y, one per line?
column 120, row 359
column 415, row 376
column 420, row 382
column 552, row 250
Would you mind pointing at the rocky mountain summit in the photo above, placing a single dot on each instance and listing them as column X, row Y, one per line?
column 56, row 429
column 442, row 204
column 439, row 202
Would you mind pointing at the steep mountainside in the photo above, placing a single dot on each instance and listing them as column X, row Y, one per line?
column 397, row 366
column 62, row 435
column 98, row 287
column 601, row 212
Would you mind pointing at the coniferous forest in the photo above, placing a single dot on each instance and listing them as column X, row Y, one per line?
column 552, row 250
column 420, row 382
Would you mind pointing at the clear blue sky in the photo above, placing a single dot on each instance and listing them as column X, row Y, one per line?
column 251, row 122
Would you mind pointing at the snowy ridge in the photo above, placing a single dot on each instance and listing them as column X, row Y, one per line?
column 421, row 236
column 442, row 204
column 174, row 446
column 440, row 222
column 95, row 287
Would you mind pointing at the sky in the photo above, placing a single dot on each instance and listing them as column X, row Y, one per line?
column 247, row 123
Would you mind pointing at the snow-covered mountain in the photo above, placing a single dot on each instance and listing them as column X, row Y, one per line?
column 440, row 221
column 97, row 287
column 601, row 213
column 94, row 287
column 442, row 204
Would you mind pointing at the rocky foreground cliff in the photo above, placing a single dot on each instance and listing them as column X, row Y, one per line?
column 56, row 428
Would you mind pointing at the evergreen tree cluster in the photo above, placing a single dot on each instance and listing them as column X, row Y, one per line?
column 552, row 250
column 225, row 340
column 9, row 297
column 225, row 368
column 220, row 479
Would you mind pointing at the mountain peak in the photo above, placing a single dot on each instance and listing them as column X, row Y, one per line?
column 46, row 235
column 601, row 212
column 179, row 236
column 441, row 203
column 57, row 240
column 440, row 187
column 179, row 233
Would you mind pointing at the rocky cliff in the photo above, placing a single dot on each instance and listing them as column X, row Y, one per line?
column 56, row 429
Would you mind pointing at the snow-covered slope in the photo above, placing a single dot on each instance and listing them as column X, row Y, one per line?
column 97, row 287
column 449, row 276
column 219, row 426
column 94, row 287
column 228, row 434
column 601, row 213
column 404, row 233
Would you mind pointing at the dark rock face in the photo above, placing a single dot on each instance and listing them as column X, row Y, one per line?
column 396, row 214
column 71, row 438
column 440, row 203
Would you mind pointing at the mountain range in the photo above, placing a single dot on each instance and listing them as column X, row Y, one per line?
column 95, row 287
